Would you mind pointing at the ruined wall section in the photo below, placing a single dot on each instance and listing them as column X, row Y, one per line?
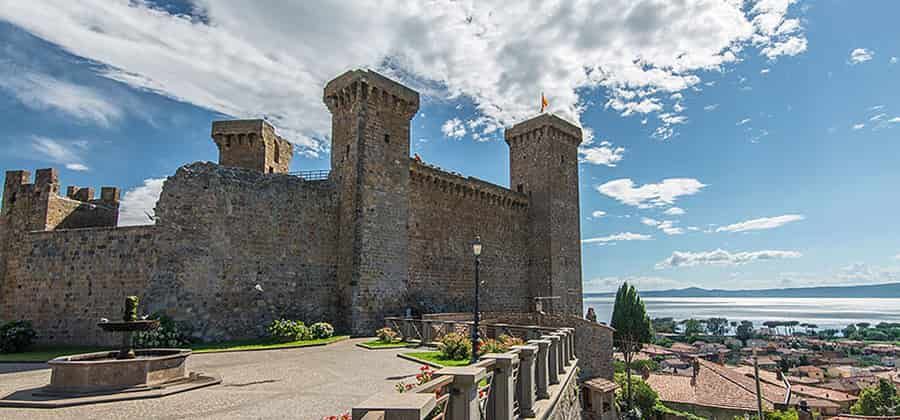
column 446, row 212
column 64, row 281
column 222, row 231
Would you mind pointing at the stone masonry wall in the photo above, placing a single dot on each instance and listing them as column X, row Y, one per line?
column 446, row 212
column 224, row 230
column 64, row 281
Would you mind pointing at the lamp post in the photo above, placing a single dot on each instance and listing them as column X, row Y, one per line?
column 476, row 250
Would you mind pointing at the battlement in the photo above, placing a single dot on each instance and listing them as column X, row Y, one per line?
column 40, row 207
column 252, row 144
column 356, row 85
column 466, row 187
column 544, row 124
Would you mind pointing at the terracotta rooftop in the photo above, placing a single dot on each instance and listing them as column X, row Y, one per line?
column 720, row 386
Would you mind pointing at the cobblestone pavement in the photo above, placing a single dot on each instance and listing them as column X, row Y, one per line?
column 306, row 383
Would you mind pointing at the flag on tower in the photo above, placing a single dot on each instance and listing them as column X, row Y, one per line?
column 544, row 103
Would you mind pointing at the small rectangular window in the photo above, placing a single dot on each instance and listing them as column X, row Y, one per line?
column 520, row 188
column 387, row 138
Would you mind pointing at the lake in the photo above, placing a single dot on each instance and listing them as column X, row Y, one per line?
column 826, row 313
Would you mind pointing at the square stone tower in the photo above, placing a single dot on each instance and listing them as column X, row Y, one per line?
column 252, row 144
column 370, row 163
column 543, row 163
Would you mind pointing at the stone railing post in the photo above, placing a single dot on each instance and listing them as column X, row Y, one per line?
column 396, row 406
column 503, row 388
column 552, row 359
column 526, row 391
column 566, row 346
column 571, row 343
column 542, row 368
column 463, row 392
column 427, row 332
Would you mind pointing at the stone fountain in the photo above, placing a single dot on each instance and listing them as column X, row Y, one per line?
column 115, row 375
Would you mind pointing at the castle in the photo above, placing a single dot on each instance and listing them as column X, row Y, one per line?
column 244, row 241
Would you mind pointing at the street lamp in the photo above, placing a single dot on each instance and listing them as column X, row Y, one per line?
column 476, row 250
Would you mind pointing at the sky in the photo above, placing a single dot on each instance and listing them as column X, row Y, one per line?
column 728, row 144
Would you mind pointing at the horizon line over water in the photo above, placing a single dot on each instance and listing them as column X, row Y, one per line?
column 823, row 312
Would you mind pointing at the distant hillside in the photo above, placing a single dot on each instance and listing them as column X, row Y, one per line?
column 887, row 290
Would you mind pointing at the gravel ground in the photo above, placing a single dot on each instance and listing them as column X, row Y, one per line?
column 306, row 383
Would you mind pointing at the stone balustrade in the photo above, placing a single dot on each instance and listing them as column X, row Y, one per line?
column 525, row 382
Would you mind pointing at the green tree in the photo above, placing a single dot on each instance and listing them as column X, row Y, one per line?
column 633, row 329
column 644, row 398
column 716, row 326
column 665, row 325
column 878, row 400
column 849, row 331
column 776, row 415
column 692, row 328
column 744, row 332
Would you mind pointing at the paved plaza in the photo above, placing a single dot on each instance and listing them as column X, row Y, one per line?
column 306, row 383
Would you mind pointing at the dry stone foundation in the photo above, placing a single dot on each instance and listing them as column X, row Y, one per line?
column 241, row 242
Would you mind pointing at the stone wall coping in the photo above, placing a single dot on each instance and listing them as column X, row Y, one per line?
column 526, row 350
column 147, row 228
column 465, row 374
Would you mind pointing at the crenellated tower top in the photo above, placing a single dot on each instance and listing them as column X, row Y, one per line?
column 252, row 144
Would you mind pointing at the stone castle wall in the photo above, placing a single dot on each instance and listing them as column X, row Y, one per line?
column 240, row 243
column 446, row 213
column 222, row 231
column 64, row 281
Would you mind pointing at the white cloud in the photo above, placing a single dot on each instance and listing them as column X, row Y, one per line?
column 624, row 236
column 138, row 203
column 712, row 107
column 77, row 167
column 859, row 126
column 64, row 152
column 453, row 128
column 598, row 214
column 762, row 223
column 604, row 154
column 650, row 195
column 765, row 71
column 864, row 273
column 860, row 55
column 243, row 60
column 742, row 122
column 674, row 211
column 642, row 283
column 894, row 120
column 877, row 117
column 667, row 226
column 42, row 92
column 722, row 257
column 897, row 257
column 893, row 60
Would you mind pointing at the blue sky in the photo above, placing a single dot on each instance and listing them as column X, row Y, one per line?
column 731, row 144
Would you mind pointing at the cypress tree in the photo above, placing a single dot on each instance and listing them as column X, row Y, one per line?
column 633, row 329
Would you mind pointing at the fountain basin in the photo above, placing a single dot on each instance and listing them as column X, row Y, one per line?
column 102, row 372
column 130, row 326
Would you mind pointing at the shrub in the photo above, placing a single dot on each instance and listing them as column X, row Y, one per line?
column 491, row 346
column 289, row 330
column 16, row 336
column 455, row 346
column 321, row 330
column 387, row 335
column 510, row 341
column 644, row 397
column 170, row 334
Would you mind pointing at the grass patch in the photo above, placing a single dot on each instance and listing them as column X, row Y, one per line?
column 378, row 344
column 261, row 344
column 43, row 354
column 436, row 358
column 40, row 354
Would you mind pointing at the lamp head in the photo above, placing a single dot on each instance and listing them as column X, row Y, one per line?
column 476, row 246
